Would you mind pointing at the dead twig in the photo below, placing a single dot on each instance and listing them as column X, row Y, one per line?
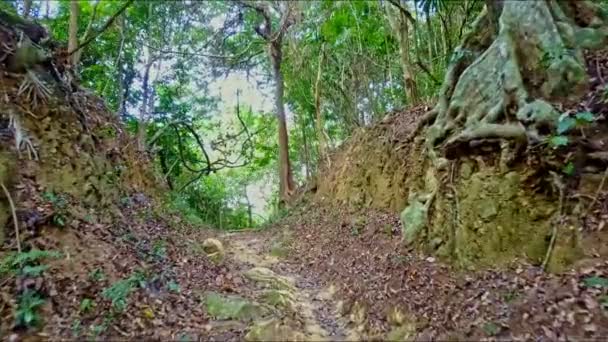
column 14, row 212
column 560, row 186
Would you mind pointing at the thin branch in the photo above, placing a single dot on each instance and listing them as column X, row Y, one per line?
column 402, row 9
column 103, row 28
column 14, row 212
column 428, row 72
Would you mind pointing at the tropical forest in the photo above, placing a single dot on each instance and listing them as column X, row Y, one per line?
column 321, row 170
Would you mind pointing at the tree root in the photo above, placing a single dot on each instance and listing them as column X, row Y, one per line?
column 492, row 92
column 22, row 139
column 33, row 89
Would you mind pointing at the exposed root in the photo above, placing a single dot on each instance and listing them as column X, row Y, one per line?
column 34, row 89
column 14, row 213
column 500, row 84
column 22, row 139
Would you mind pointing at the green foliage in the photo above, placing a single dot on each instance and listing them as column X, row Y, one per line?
column 119, row 292
column 28, row 304
column 596, row 281
column 491, row 328
column 159, row 249
column 60, row 203
column 173, row 287
column 86, row 305
column 97, row 275
column 558, row 141
column 26, row 263
column 568, row 169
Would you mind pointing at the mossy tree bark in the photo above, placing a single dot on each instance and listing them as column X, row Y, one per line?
column 500, row 82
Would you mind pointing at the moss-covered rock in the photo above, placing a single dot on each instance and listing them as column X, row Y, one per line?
column 274, row 330
column 233, row 307
column 279, row 298
column 414, row 217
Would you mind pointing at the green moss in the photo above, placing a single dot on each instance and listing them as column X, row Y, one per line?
column 233, row 307
column 279, row 299
column 273, row 330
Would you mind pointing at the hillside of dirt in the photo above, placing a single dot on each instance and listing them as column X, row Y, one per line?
column 88, row 249
column 479, row 202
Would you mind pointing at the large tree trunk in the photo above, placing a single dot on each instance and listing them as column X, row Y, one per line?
column 285, row 174
column 499, row 85
column 73, row 31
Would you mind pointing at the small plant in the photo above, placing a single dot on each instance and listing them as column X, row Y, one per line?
column 596, row 281
column 97, row 275
column 510, row 296
column 86, row 305
column 159, row 250
column 491, row 328
column 568, row 169
column 59, row 203
column 26, row 263
column 76, row 327
column 27, row 307
column 118, row 292
column 566, row 123
column 173, row 287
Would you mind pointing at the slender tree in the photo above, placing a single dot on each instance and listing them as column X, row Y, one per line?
column 73, row 32
column 273, row 36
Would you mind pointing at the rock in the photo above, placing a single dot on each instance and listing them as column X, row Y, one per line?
column 273, row 330
column 413, row 219
column 233, row 307
column 270, row 279
column 539, row 112
column 279, row 299
column 213, row 249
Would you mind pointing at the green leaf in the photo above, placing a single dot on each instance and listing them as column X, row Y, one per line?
column 174, row 287
column 34, row 271
column 568, row 169
column 596, row 281
column 565, row 124
column 584, row 117
column 491, row 328
column 558, row 141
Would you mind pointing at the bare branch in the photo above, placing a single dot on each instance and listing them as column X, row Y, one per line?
column 103, row 28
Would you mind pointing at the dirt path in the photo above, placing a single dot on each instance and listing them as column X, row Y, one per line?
column 301, row 308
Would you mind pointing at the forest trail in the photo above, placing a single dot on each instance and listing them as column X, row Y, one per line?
column 305, row 310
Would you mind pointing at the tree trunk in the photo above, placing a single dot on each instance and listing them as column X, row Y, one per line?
column 285, row 174
column 400, row 28
column 27, row 7
column 306, row 149
column 490, row 85
column 143, row 113
column 73, row 31
column 320, row 122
